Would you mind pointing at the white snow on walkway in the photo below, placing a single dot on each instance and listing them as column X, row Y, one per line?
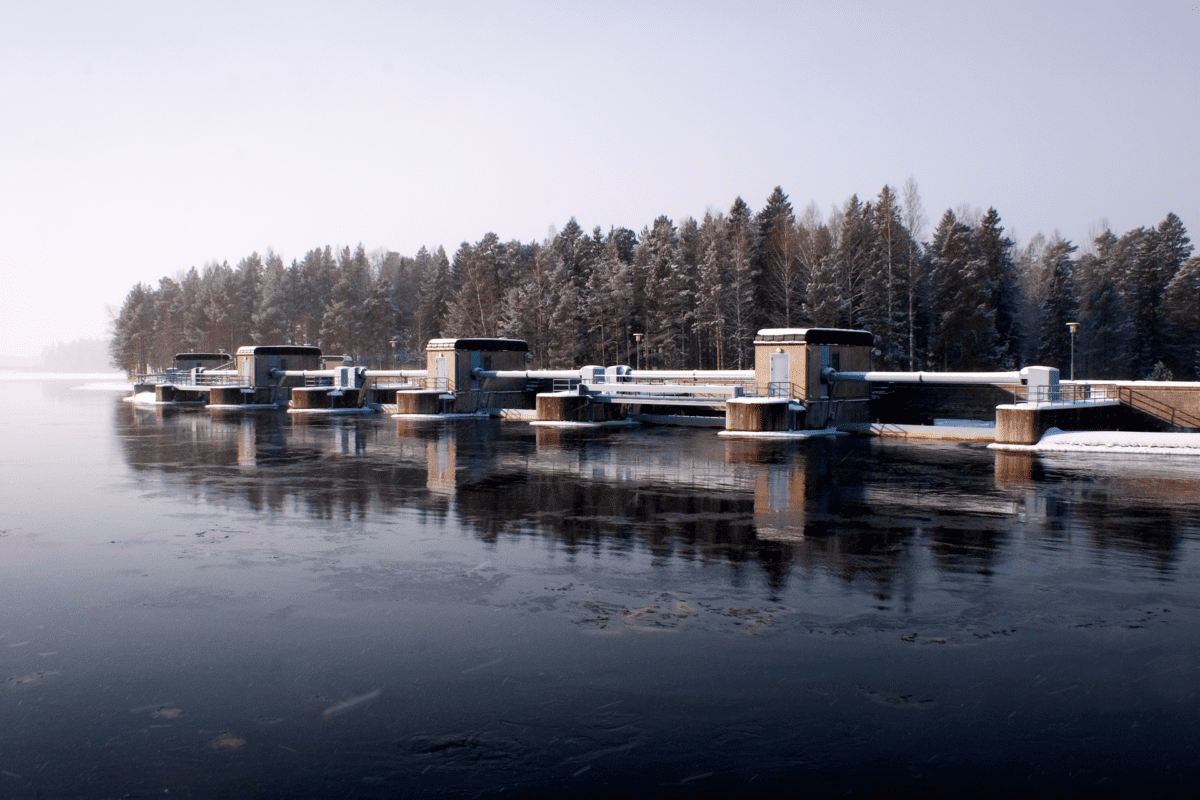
column 1132, row 442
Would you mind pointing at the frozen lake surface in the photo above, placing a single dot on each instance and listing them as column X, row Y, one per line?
column 273, row 606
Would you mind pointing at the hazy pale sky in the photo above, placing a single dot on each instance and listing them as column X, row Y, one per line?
column 143, row 138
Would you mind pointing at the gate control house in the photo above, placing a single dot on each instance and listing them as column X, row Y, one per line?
column 787, row 367
column 449, row 365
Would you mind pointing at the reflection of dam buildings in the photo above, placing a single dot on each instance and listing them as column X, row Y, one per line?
column 854, row 507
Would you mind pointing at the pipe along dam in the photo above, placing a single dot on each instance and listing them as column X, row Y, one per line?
column 804, row 381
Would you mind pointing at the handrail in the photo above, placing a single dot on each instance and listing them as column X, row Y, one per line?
column 1068, row 393
column 781, row 389
column 187, row 378
column 1157, row 408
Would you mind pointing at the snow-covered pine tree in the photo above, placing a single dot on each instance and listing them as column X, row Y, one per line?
column 1056, row 305
column 1001, row 272
column 132, row 330
column 656, row 262
column 1172, row 252
column 1183, row 317
column 962, row 319
column 247, row 292
column 433, row 273
column 218, row 290
column 818, row 250
column 168, row 322
column 270, row 323
column 889, row 317
column 1102, row 345
column 195, row 321
column 856, row 273
column 712, row 282
column 742, row 313
column 782, row 271
column 473, row 309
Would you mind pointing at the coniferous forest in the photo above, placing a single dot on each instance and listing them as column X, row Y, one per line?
column 966, row 298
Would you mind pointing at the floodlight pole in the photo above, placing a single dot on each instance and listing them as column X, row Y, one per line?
column 1074, row 326
column 638, row 348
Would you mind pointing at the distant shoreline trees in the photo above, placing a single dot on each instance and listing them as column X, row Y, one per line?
column 968, row 299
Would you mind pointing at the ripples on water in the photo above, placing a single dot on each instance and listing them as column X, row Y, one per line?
column 268, row 606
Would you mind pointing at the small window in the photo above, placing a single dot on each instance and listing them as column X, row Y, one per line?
column 835, row 361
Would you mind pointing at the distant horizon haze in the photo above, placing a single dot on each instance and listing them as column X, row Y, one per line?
column 146, row 138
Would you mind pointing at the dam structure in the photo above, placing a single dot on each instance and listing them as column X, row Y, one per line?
column 804, row 380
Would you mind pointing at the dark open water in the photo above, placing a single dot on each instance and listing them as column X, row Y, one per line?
column 266, row 606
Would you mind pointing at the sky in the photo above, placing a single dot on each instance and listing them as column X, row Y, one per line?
column 140, row 139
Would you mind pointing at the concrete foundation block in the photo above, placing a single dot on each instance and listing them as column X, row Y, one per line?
column 1025, row 424
column 576, row 408
column 422, row 402
column 323, row 397
column 757, row 414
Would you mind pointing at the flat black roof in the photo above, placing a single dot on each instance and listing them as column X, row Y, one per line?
column 280, row 350
column 492, row 345
column 816, row 336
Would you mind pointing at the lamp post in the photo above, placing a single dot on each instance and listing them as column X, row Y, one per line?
column 1074, row 326
column 637, row 337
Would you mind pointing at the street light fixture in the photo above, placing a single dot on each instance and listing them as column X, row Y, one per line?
column 1074, row 326
column 638, row 348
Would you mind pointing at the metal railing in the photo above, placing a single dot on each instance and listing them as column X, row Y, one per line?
column 782, row 389
column 183, row 377
column 1156, row 408
column 684, row 392
column 1069, row 393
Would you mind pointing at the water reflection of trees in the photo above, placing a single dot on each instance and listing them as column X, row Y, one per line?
column 854, row 509
column 274, row 463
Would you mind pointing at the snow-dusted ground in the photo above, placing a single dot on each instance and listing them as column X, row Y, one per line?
column 1135, row 442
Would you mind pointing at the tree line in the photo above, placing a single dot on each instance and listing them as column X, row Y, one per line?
column 969, row 298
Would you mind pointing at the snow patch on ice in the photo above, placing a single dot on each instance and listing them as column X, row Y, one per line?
column 805, row 434
column 334, row 412
column 965, row 423
column 1055, row 440
column 475, row 415
column 612, row 423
